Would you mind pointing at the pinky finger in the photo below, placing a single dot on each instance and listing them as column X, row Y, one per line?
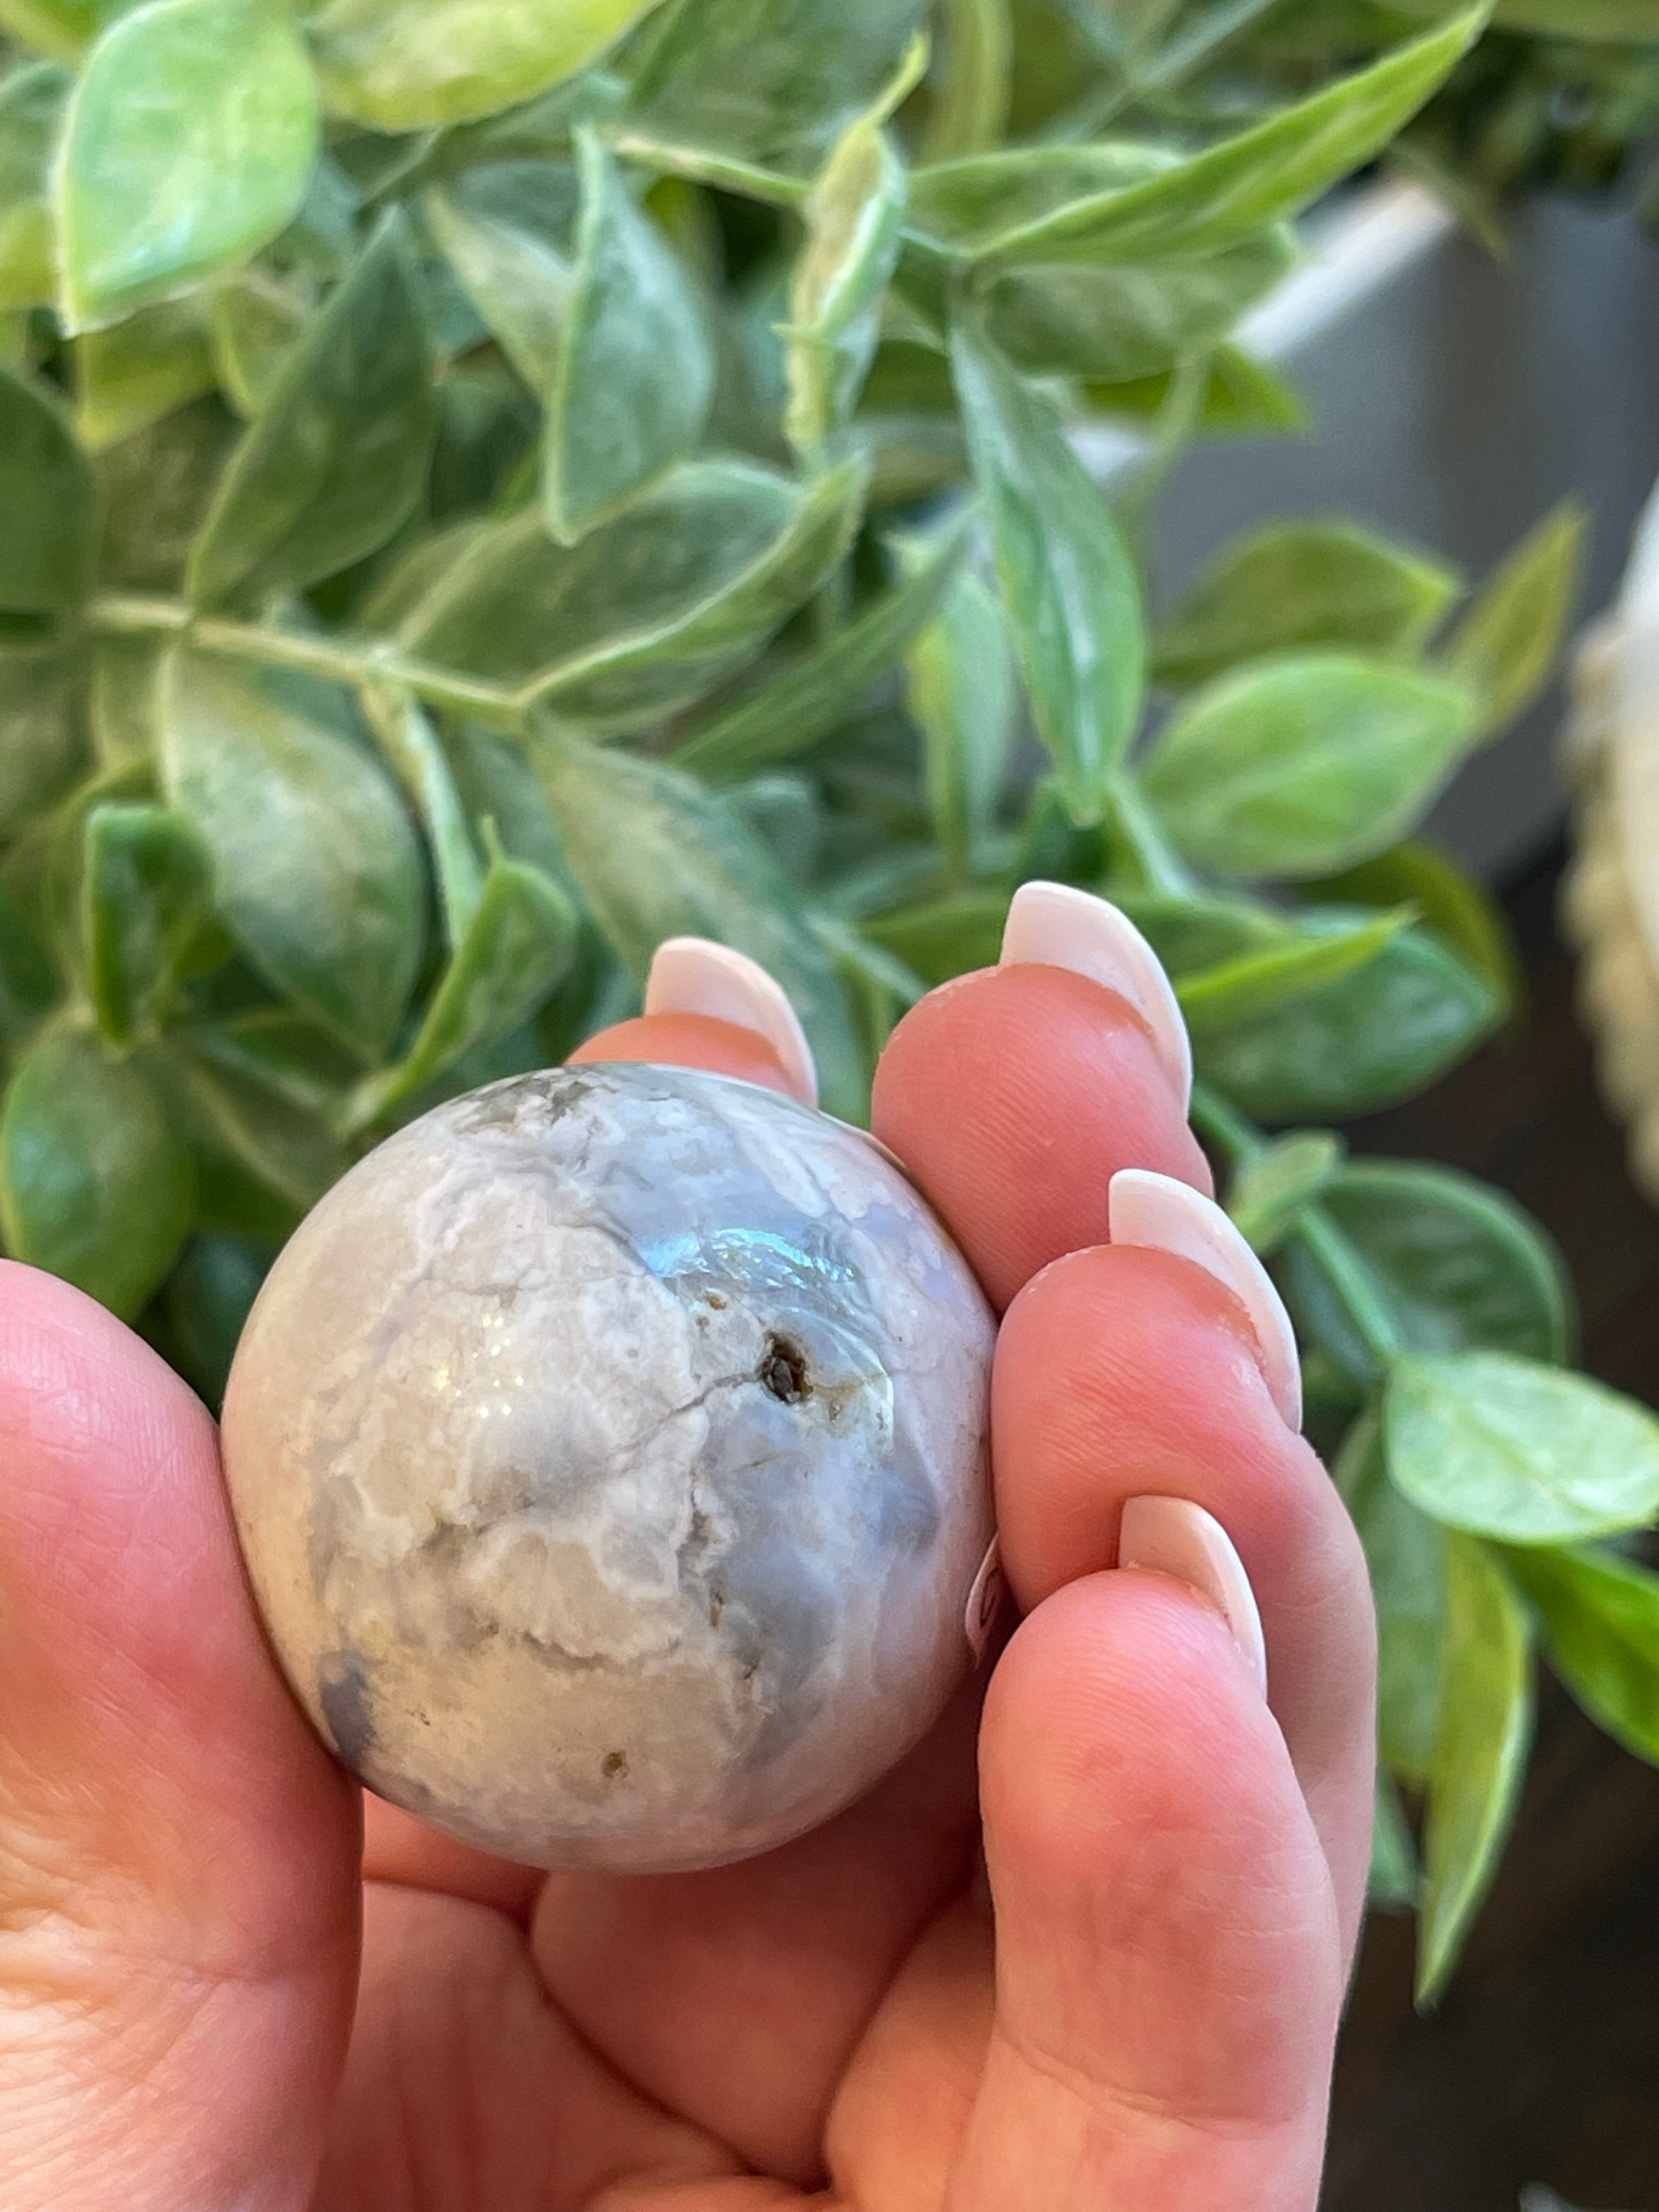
column 1169, row 1952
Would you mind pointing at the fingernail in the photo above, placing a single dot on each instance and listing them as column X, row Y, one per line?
column 985, row 1600
column 1172, row 1536
column 693, row 975
column 1146, row 1208
column 1057, row 925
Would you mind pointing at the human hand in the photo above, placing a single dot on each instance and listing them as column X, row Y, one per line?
column 1130, row 2001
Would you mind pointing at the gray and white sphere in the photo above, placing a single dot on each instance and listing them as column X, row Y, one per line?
column 608, row 1454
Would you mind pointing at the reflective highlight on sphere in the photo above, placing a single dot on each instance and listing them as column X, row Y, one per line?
column 608, row 1453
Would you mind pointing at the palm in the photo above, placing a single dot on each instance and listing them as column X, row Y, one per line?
column 790, row 2011
column 1176, row 1871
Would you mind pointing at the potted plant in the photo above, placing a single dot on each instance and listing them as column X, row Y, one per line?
column 475, row 505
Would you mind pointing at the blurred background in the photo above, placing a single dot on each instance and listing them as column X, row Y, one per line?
column 1454, row 396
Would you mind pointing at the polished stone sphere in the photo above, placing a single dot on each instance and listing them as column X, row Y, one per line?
column 608, row 1453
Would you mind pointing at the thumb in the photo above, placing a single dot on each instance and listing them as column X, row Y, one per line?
column 1168, row 1974
column 178, row 1892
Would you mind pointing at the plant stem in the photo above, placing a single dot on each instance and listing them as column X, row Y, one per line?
column 354, row 662
column 1149, row 861
column 1333, row 1253
column 1321, row 1238
column 1224, row 1126
column 699, row 167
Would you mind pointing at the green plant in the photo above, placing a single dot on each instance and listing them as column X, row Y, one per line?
column 1560, row 93
column 475, row 503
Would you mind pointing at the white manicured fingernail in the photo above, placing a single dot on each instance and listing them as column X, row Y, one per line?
column 1172, row 1536
column 693, row 975
column 1145, row 1208
column 985, row 1600
column 1057, row 925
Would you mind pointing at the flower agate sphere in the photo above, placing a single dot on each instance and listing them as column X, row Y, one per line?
column 608, row 1454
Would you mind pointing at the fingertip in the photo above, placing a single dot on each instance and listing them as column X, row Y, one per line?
column 695, row 975
column 1059, row 925
column 1012, row 1095
column 1167, row 1215
column 78, row 1389
column 1122, row 1697
column 682, row 1040
column 1165, row 1915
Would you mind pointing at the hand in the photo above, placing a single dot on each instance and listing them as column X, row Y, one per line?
column 1129, row 2006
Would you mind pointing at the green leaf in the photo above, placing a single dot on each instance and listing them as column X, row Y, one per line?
column 1256, row 983
column 283, row 1052
column 520, row 940
column 649, row 608
column 1451, row 903
column 497, row 779
column 338, row 456
column 819, row 691
column 1361, row 1042
column 1505, row 1447
column 127, row 376
column 946, row 937
column 42, row 741
column 46, row 503
column 186, row 148
column 408, row 65
column 145, row 891
column 262, row 1158
column 1260, row 176
column 962, row 208
column 31, row 113
column 1454, row 1263
column 1241, row 398
column 1406, row 1554
column 1479, row 1756
column 1619, row 22
column 485, row 456
column 410, row 746
column 1358, row 1043
column 1508, row 640
column 1110, row 323
column 636, row 365
column 254, row 325
column 152, row 490
column 509, row 232
column 1270, row 1189
column 854, row 220
column 1601, row 1621
column 1294, row 586
column 318, row 874
column 61, row 29
column 1296, row 767
column 964, row 696
column 29, row 985
column 207, row 1300
column 657, row 856
column 764, row 77
column 1067, row 580
column 95, row 1182
column 970, row 83
column 1396, row 1878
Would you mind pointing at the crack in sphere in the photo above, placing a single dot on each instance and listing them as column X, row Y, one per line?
column 608, row 1454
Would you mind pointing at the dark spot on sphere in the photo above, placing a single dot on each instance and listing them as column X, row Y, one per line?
column 614, row 1766
column 783, row 1370
column 342, row 1692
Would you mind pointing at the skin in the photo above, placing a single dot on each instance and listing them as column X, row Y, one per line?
column 1086, row 1949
